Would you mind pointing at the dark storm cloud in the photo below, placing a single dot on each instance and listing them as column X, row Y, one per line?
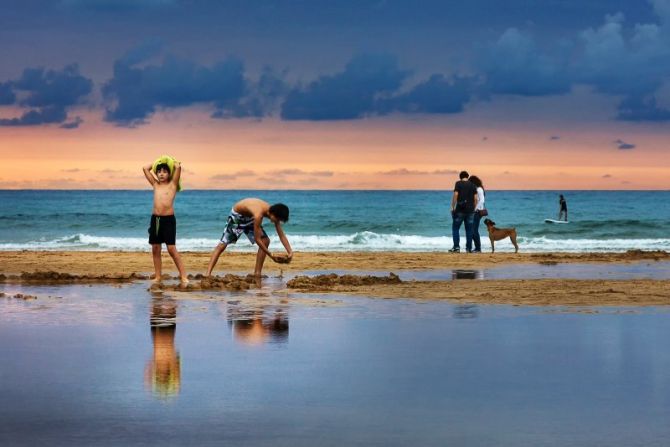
column 623, row 145
column 43, row 115
column 637, row 108
column 518, row 48
column 7, row 96
column 514, row 65
column 437, row 95
column 138, row 91
column 350, row 94
column 48, row 94
column 116, row 5
column 614, row 58
column 261, row 97
column 74, row 124
column 51, row 87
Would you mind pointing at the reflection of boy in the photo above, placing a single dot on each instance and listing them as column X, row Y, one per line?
column 246, row 217
column 163, row 226
column 163, row 372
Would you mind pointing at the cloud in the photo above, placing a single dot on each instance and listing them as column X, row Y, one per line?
column 135, row 93
column 554, row 138
column 74, row 124
column 623, row 145
column 514, row 65
column 437, row 95
column 72, row 170
column 7, row 96
column 636, row 108
column 607, row 176
column 233, row 176
column 350, row 94
column 45, row 115
column 223, row 177
column 612, row 58
column 48, row 94
column 116, row 5
column 261, row 97
column 294, row 171
column 405, row 171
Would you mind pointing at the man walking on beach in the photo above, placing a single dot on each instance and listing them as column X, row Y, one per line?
column 463, row 203
column 246, row 217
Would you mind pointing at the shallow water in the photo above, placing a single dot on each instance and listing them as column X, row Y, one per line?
column 106, row 365
column 640, row 270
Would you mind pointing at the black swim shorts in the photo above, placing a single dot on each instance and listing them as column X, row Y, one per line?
column 163, row 230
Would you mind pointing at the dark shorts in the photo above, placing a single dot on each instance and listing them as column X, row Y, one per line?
column 163, row 230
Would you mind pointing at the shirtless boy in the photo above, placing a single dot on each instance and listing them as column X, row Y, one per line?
column 163, row 227
column 247, row 217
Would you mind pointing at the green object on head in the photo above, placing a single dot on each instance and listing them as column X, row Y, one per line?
column 166, row 160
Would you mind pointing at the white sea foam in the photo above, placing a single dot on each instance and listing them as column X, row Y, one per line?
column 363, row 241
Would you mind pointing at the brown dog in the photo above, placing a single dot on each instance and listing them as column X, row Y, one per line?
column 496, row 234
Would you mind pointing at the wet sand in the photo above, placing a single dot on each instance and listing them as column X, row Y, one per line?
column 535, row 292
column 140, row 263
column 92, row 267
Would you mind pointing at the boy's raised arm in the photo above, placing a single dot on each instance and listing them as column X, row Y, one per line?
column 149, row 175
column 177, row 172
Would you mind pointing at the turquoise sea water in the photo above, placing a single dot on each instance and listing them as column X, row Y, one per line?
column 336, row 220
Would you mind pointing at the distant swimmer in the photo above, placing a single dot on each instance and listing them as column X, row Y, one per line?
column 563, row 208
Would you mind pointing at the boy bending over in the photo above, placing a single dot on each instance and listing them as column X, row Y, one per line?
column 247, row 217
column 163, row 226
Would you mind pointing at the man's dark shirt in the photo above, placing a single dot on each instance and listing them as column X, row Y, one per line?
column 564, row 205
column 465, row 203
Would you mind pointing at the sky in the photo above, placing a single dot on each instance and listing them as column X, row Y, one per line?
column 383, row 94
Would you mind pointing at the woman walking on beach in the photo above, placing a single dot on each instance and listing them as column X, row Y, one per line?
column 480, row 211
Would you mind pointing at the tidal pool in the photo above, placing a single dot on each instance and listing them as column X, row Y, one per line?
column 105, row 365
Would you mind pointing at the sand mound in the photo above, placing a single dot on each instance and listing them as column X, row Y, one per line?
column 49, row 277
column 325, row 282
column 228, row 282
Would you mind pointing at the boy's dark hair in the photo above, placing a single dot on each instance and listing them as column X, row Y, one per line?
column 280, row 211
column 163, row 166
column 463, row 174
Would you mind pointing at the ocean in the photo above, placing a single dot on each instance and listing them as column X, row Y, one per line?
column 336, row 220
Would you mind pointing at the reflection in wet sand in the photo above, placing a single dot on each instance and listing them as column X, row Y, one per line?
column 267, row 324
column 467, row 274
column 466, row 311
column 162, row 374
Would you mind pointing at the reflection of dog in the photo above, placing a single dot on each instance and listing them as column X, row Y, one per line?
column 496, row 234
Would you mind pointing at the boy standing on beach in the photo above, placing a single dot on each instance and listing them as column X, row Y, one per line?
column 163, row 227
column 247, row 217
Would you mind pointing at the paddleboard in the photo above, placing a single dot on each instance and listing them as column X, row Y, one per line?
column 554, row 221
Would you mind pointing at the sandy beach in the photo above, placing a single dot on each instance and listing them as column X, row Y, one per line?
column 90, row 267
column 124, row 263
